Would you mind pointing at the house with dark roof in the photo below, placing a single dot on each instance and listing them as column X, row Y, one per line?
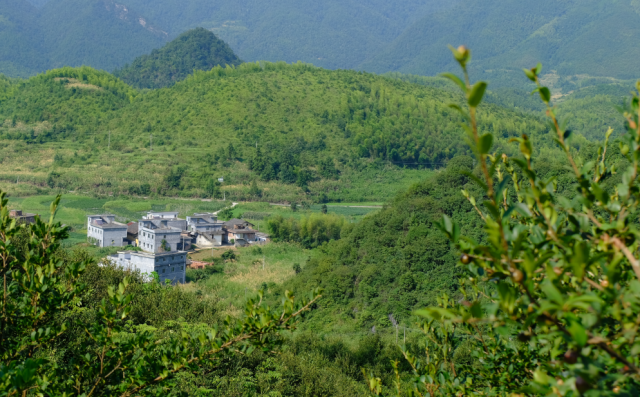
column 158, row 236
column 22, row 217
column 104, row 231
column 203, row 223
column 237, row 229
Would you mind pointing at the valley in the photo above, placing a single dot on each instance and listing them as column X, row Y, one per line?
column 296, row 198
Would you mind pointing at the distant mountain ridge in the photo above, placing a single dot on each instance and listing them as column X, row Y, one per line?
column 102, row 33
column 197, row 49
column 573, row 37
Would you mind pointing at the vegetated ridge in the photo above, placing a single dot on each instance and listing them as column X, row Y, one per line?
column 300, row 132
column 575, row 38
column 197, row 49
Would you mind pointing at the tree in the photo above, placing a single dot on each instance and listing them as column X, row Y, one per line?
column 294, row 206
column 254, row 190
column 558, row 274
column 52, row 179
column 41, row 292
column 323, row 209
column 213, row 188
column 231, row 152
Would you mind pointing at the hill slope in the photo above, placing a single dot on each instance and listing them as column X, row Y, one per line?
column 197, row 49
column 574, row 37
column 300, row 131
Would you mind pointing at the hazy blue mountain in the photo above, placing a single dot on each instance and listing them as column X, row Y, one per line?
column 196, row 49
column 104, row 34
column 573, row 37
column 39, row 3
column 21, row 51
column 329, row 33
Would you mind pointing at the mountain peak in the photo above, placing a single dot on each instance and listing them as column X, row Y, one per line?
column 196, row 49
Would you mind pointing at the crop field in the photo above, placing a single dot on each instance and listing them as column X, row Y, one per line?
column 74, row 209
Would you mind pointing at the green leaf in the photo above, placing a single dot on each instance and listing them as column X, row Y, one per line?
column 476, row 93
column 530, row 75
column 552, row 292
column 486, row 141
column 457, row 80
column 545, row 94
column 578, row 333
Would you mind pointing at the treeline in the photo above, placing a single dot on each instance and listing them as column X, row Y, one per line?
column 311, row 231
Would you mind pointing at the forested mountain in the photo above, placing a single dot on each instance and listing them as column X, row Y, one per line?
column 298, row 130
column 197, row 49
column 21, row 52
column 330, row 33
column 574, row 37
column 102, row 33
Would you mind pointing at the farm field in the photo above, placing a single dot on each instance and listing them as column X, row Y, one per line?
column 74, row 209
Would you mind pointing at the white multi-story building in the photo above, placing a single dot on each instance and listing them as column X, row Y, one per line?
column 168, row 265
column 104, row 231
column 157, row 236
column 204, row 223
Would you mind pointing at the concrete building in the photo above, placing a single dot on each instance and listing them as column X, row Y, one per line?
column 171, row 219
column 203, row 223
column 240, row 232
column 169, row 265
column 157, row 236
column 132, row 233
column 22, row 217
column 214, row 238
column 104, row 231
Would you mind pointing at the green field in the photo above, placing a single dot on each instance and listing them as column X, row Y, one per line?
column 74, row 209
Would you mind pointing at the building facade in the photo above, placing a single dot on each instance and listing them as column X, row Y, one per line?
column 22, row 217
column 210, row 239
column 168, row 265
column 104, row 231
column 203, row 223
column 169, row 218
column 157, row 236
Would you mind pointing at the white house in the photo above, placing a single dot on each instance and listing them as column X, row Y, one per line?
column 169, row 265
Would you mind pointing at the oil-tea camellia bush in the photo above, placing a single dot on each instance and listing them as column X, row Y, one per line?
column 551, row 296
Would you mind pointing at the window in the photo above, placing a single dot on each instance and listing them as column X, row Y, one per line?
column 165, row 236
column 163, row 270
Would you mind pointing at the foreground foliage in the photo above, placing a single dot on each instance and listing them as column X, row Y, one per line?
column 551, row 293
column 40, row 301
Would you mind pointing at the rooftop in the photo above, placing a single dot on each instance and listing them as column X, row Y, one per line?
column 150, row 254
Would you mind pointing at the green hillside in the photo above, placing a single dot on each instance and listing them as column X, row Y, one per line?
column 589, row 37
column 300, row 132
column 588, row 105
column 197, row 49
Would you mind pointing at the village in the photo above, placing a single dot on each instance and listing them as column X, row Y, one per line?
column 162, row 240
